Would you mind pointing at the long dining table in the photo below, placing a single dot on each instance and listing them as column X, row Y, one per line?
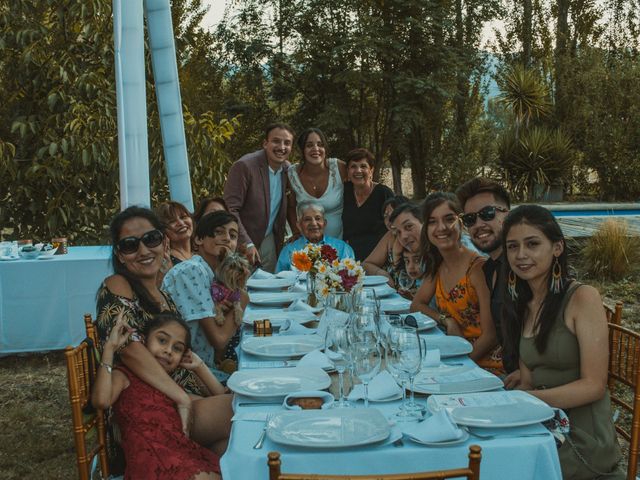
column 526, row 452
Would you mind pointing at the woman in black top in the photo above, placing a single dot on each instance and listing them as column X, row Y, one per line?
column 363, row 224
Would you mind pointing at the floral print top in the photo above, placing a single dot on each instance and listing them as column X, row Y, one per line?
column 109, row 305
column 461, row 303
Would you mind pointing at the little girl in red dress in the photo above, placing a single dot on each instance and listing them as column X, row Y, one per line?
column 153, row 440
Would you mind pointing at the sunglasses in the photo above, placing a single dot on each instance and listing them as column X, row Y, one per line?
column 487, row 213
column 129, row 245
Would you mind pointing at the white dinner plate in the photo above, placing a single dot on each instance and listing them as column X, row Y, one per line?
column 449, row 346
column 282, row 345
column 474, row 379
column 395, row 305
column 372, row 280
column 273, row 299
column 270, row 283
column 462, row 439
column 511, row 408
column 278, row 382
column 424, row 322
column 278, row 316
column 335, row 428
column 383, row 290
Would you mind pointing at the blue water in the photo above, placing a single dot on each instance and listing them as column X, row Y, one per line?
column 594, row 213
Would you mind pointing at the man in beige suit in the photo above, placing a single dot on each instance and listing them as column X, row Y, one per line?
column 255, row 194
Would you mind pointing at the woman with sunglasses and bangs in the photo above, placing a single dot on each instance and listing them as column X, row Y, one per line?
column 453, row 274
column 139, row 246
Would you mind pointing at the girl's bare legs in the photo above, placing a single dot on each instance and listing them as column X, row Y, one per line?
column 212, row 422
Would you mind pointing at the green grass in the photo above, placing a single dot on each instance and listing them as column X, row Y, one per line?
column 36, row 439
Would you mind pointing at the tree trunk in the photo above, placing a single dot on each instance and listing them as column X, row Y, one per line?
column 527, row 22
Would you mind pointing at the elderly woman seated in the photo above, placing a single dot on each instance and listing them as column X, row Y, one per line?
column 311, row 223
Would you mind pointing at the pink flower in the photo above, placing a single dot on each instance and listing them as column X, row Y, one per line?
column 348, row 281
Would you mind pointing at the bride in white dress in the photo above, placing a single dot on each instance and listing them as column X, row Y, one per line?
column 317, row 179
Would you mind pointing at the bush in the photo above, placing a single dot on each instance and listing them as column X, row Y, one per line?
column 612, row 253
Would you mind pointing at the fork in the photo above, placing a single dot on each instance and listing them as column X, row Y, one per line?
column 262, row 436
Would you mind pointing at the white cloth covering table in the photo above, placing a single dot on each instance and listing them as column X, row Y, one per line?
column 524, row 458
column 42, row 302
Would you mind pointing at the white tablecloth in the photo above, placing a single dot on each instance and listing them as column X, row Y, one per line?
column 42, row 301
column 525, row 458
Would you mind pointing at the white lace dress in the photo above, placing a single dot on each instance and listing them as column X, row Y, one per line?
column 331, row 199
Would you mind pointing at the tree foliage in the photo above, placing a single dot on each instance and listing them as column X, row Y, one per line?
column 58, row 137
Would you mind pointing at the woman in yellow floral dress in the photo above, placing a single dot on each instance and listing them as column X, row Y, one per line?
column 453, row 274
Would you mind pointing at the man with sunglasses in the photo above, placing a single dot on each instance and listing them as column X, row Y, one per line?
column 485, row 204
column 255, row 194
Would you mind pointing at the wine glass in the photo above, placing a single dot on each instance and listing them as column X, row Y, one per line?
column 413, row 355
column 337, row 349
column 366, row 359
column 364, row 326
column 400, row 356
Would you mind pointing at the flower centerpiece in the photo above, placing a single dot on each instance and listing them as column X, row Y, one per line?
column 340, row 280
column 313, row 259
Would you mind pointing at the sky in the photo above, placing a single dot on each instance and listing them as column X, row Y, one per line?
column 216, row 10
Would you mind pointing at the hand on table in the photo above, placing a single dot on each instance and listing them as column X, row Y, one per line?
column 512, row 381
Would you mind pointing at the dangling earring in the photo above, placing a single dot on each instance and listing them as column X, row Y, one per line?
column 511, row 286
column 556, row 277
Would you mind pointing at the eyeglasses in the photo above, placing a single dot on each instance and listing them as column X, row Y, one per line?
column 129, row 245
column 487, row 213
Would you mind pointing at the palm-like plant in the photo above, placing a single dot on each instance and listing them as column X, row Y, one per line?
column 524, row 93
column 537, row 157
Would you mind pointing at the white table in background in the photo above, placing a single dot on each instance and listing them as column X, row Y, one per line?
column 42, row 302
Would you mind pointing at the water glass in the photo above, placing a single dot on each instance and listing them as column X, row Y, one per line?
column 366, row 358
column 393, row 365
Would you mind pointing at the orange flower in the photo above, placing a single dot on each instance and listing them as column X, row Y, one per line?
column 301, row 261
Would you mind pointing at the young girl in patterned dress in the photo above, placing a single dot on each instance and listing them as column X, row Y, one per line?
column 154, row 443
column 454, row 276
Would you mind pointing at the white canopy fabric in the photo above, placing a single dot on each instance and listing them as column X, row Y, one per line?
column 133, row 145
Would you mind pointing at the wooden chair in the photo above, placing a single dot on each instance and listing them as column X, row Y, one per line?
column 471, row 472
column 90, row 328
column 624, row 384
column 88, row 424
column 614, row 315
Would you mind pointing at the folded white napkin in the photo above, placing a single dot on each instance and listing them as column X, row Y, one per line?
column 289, row 327
column 437, row 428
column 300, row 305
column 287, row 274
column 315, row 358
column 299, row 287
column 260, row 274
column 432, row 358
column 381, row 387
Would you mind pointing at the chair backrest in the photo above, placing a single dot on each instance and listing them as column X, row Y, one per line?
column 81, row 370
column 471, row 472
column 90, row 328
column 624, row 384
column 614, row 315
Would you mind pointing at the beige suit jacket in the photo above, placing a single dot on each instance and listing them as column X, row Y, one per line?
column 247, row 195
